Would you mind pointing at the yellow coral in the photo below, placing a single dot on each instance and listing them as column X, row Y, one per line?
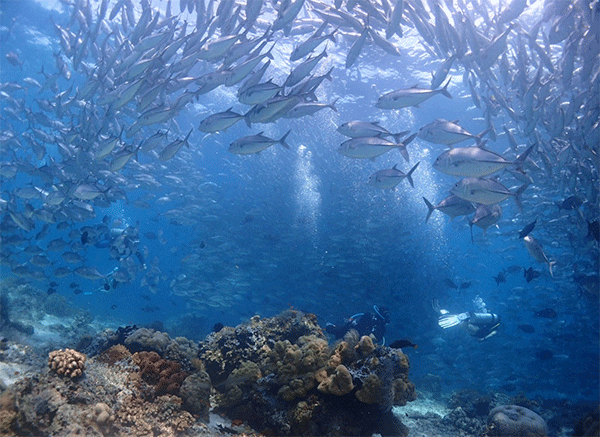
column 68, row 362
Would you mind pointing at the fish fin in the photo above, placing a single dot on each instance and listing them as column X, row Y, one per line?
column 482, row 134
column 518, row 193
column 282, row 140
column 522, row 157
column 398, row 137
column 332, row 105
column 408, row 140
column 404, row 152
column 444, row 90
column 331, row 36
column 409, row 175
column 550, row 265
column 430, row 207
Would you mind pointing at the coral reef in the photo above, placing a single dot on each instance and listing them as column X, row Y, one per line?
column 107, row 402
column 165, row 375
column 589, row 426
column 144, row 339
column 68, row 362
column 515, row 421
column 280, row 376
column 195, row 393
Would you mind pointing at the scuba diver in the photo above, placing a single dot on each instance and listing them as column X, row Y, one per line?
column 364, row 323
column 480, row 325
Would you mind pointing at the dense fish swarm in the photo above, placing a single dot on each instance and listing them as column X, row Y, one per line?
column 125, row 164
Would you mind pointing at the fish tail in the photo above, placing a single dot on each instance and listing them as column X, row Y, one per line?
column 518, row 201
column 522, row 157
column 398, row 137
column 404, row 152
column 444, row 90
column 331, row 36
column 187, row 137
column 409, row 175
column 332, row 105
column 430, row 207
column 481, row 135
column 282, row 140
column 408, row 140
column 550, row 265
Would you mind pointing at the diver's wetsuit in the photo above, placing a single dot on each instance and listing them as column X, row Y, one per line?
column 363, row 323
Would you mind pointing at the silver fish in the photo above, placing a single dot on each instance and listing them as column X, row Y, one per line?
column 371, row 147
column 485, row 216
column 452, row 205
column 220, row 122
column 446, row 132
column 256, row 143
column 390, row 178
column 357, row 129
column 485, row 191
column 535, row 250
column 409, row 97
column 475, row 162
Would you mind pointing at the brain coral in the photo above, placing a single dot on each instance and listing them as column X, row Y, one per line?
column 68, row 362
column 515, row 421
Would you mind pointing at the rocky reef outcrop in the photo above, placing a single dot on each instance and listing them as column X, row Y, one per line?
column 282, row 377
column 276, row 376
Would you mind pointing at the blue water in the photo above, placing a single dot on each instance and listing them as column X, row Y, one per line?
column 301, row 228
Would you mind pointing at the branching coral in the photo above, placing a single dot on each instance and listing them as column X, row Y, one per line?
column 68, row 362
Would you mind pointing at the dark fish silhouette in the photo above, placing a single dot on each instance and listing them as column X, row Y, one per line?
column 450, row 283
column 500, row 278
column 84, row 238
column 593, row 230
column 547, row 313
column 398, row 344
column 531, row 274
column 544, row 355
column 465, row 285
column 528, row 329
column 527, row 229
column 570, row 203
